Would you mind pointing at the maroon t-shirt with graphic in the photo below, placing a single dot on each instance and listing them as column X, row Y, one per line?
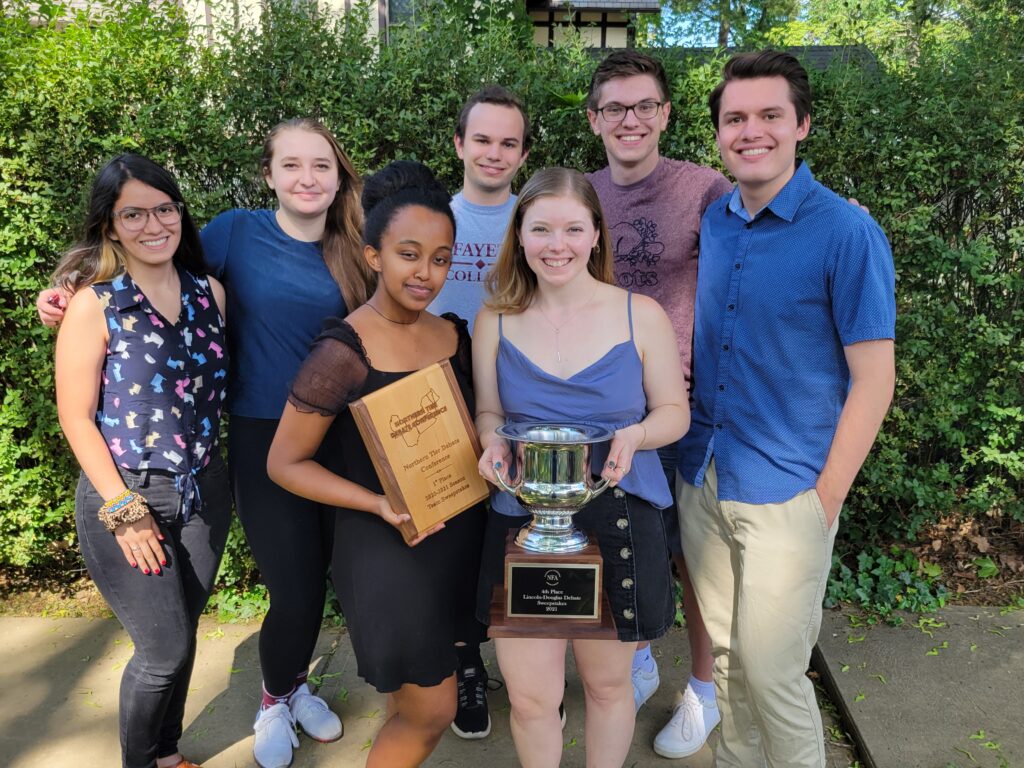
column 654, row 226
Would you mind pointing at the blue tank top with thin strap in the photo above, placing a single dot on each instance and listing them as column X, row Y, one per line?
column 607, row 393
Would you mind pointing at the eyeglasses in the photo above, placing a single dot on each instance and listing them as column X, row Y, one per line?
column 643, row 110
column 135, row 219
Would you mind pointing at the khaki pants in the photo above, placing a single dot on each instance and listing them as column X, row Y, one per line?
column 759, row 572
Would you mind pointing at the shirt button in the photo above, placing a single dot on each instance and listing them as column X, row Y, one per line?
column 718, row 426
column 628, row 614
column 737, row 265
column 627, row 583
column 721, row 387
column 625, row 552
column 732, row 306
column 725, row 347
column 622, row 523
column 618, row 493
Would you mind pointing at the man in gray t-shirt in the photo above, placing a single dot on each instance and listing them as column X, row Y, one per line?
column 493, row 140
column 653, row 207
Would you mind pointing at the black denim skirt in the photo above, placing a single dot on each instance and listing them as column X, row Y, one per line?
column 636, row 572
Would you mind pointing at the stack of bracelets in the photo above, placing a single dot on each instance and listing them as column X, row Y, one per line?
column 124, row 509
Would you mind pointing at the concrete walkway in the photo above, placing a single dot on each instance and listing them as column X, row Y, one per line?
column 59, row 692
column 940, row 691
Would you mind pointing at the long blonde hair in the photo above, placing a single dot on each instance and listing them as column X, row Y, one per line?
column 511, row 284
column 342, row 244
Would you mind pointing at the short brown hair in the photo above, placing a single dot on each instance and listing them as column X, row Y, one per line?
column 768, row 63
column 511, row 283
column 499, row 96
column 626, row 63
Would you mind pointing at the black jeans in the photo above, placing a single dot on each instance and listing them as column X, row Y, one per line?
column 159, row 612
column 291, row 540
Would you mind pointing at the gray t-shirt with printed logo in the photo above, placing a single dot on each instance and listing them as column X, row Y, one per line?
column 655, row 226
column 480, row 231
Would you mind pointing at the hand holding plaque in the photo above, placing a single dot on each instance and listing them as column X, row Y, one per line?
column 424, row 446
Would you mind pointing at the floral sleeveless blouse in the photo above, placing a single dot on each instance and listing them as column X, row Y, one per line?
column 163, row 383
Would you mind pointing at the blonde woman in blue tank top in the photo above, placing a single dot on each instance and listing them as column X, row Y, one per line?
column 558, row 341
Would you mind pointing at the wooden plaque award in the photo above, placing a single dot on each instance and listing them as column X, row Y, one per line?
column 424, row 446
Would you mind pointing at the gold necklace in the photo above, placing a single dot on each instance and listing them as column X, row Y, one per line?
column 390, row 320
column 558, row 328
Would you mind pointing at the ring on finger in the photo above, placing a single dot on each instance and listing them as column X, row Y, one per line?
column 135, row 549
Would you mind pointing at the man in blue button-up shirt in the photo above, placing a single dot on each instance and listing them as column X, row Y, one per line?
column 793, row 373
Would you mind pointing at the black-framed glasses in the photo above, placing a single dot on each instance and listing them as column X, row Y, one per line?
column 644, row 110
column 134, row 219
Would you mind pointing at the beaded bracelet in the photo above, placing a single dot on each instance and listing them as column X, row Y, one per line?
column 124, row 509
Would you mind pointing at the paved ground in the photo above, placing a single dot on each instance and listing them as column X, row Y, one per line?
column 942, row 691
column 59, row 685
column 945, row 691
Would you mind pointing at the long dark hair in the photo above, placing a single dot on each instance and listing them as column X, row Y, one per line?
column 96, row 257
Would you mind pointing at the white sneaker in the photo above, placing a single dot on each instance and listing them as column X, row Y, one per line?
column 314, row 716
column 275, row 737
column 692, row 721
column 644, row 685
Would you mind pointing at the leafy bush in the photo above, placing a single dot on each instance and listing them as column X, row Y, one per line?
column 885, row 580
column 933, row 144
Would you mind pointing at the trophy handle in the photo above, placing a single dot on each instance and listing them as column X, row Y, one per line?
column 597, row 490
column 513, row 489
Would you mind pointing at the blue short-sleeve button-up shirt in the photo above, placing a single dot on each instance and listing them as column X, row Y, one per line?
column 778, row 298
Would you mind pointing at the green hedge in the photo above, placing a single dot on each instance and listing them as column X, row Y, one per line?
column 932, row 144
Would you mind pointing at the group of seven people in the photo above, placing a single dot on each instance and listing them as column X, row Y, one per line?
column 743, row 398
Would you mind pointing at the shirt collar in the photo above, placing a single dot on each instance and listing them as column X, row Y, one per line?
column 127, row 295
column 786, row 202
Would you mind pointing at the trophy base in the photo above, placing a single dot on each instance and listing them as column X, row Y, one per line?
column 554, row 596
column 552, row 534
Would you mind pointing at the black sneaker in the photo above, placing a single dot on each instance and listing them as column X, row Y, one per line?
column 472, row 720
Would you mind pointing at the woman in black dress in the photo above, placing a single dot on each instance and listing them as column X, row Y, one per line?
column 405, row 606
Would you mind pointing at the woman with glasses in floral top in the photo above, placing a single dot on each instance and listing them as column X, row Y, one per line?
column 141, row 369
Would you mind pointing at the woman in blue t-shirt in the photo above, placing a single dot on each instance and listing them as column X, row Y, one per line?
column 283, row 270
column 284, row 273
column 140, row 372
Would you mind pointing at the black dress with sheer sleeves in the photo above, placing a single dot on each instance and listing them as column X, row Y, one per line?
column 405, row 607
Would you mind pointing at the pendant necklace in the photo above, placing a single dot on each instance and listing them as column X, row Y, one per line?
column 391, row 320
column 558, row 328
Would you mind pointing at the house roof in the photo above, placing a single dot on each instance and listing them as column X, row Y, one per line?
column 818, row 57
column 623, row 6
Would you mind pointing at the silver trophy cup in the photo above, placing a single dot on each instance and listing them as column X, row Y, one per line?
column 553, row 481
